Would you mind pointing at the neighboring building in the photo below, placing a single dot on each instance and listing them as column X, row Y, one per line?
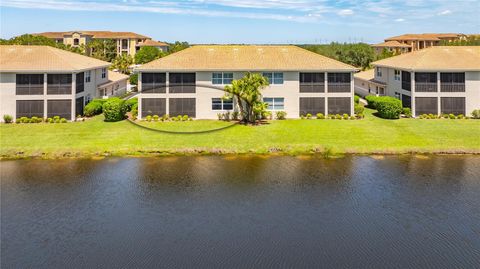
column 127, row 42
column 191, row 82
column 435, row 80
column 413, row 42
column 115, row 86
column 43, row 81
column 365, row 84
column 151, row 43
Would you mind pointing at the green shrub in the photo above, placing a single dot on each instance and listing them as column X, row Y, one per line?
column 360, row 116
column 7, row 118
column 155, row 117
column 220, row 116
column 371, row 101
column 165, row 117
column 135, row 110
column 34, row 119
column 179, row 118
column 331, row 116
column 55, row 118
column 281, row 115
column 302, row 117
column 148, row 118
column 451, row 116
column 460, row 116
column 309, row 116
column 346, row 116
column 353, row 118
column 226, row 116
column 18, row 120
column 130, row 103
column 356, row 98
column 114, row 109
column 235, row 115
column 24, row 120
column 476, row 114
column 320, row 116
column 133, row 79
column 63, row 120
column 358, row 109
column 338, row 117
column 388, row 107
column 407, row 112
column 93, row 108
column 185, row 118
column 50, row 120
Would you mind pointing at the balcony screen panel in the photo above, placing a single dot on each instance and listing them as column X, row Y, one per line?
column 154, row 83
column 406, row 81
column 426, row 105
column 339, row 82
column 59, row 84
column 80, row 82
column 79, row 106
column 61, row 108
column 182, row 82
column 312, row 82
column 453, row 105
column 406, row 101
column 339, row 105
column 154, row 106
column 29, row 84
column 452, row 82
column 182, row 106
column 29, row 108
column 312, row 105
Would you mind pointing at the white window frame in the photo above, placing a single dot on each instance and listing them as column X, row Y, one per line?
column 398, row 75
column 222, row 78
column 275, row 103
column 222, row 104
column 398, row 95
column 88, row 76
column 379, row 72
column 104, row 72
column 273, row 80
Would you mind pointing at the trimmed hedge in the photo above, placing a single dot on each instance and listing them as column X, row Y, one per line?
column 130, row 103
column 356, row 98
column 114, row 109
column 388, row 107
column 94, row 107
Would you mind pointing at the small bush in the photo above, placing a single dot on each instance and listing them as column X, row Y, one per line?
column 407, row 112
column 130, row 103
column 165, row 117
column 24, row 120
column 356, row 99
column 18, row 120
column 353, row 118
column 94, row 108
column 226, row 116
column 235, row 115
column 179, row 118
column 371, row 101
column 63, row 120
column 220, row 116
column 476, row 114
column 332, row 117
column 148, row 118
column 388, row 107
column 7, row 118
column 320, row 116
column 281, row 115
column 360, row 116
column 309, row 116
column 133, row 79
column 460, row 116
column 346, row 116
column 134, row 110
column 49, row 120
column 55, row 118
column 451, row 116
column 114, row 109
column 155, row 117
column 185, row 118
column 302, row 117
column 338, row 117
column 358, row 109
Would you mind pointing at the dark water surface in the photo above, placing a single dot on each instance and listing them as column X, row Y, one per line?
column 209, row 212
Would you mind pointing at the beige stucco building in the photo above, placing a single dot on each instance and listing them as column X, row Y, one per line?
column 413, row 42
column 127, row 42
column 365, row 84
column 43, row 81
column 437, row 80
column 191, row 82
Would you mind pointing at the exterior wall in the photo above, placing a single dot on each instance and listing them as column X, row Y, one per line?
column 114, row 89
column 8, row 95
column 289, row 90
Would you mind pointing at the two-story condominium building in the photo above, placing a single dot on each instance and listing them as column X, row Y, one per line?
column 127, row 42
column 191, row 82
column 43, row 81
column 413, row 42
column 437, row 80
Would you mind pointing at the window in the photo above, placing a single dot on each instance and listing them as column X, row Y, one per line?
column 453, row 105
column 398, row 95
column 339, row 105
column 426, row 105
column 124, row 44
column 154, row 82
column 222, row 78
column 61, row 108
column 276, row 103
column 406, row 101
column 154, row 106
column 76, row 42
column 274, row 77
column 88, row 76
column 312, row 105
column 182, row 82
column 339, row 82
column 182, row 106
column 29, row 108
column 29, row 84
column 79, row 106
column 59, row 84
column 397, row 75
column 104, row 72
column 79, row 83
column 312, row 82
column 221, row 104
column 406, row 81
column 379, row 72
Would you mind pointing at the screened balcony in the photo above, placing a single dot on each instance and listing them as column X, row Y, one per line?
column 339, row 82
column 312, row 82
column 29, row 84
column 425, row 82
column 154, row 83
column 181, row 82
column 59, row 84
column 452, row 82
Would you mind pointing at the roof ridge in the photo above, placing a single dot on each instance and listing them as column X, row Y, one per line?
column 57, row 52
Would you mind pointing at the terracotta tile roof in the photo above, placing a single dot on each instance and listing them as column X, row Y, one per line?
column 391, row 44
column 152, row 43
column 461, row 58
column 95, row 34
column 113, row 77
column 245, row 58
column 428, row 36
column 368, row 75
column 17, row 58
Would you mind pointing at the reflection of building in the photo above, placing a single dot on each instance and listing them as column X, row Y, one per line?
column 413, row 42
column 434, row 80
column 365, row 84
column 301, row 81
column 43, row 81
column 127, row 42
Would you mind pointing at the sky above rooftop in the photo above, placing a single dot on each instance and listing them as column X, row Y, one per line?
column 244, row 21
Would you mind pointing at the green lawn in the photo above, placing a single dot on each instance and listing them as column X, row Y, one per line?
column 370, row 135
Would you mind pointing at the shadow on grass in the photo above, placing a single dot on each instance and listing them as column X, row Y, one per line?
column 184, row 133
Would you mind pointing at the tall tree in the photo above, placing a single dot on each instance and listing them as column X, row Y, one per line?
column 122, row 63
column 247, row 92
column 178, row 46
column 103, row 49
column 147, row 54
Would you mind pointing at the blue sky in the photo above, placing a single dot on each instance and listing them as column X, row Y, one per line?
column 245, row 21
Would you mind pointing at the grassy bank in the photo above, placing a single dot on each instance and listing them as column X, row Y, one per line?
column 371, row 135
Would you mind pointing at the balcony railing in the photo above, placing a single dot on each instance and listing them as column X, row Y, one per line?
column 452, row 87
column 154, row 88
column 312, row 87
column 425, row 87
column 339, row 87
column 181, row 88
column 32, row 89
column 59, row 89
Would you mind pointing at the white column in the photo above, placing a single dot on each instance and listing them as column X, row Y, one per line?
column 438, row 93
column 45, row 85
column 352, row 90
column 326, row 90
column 167, row 90
column 74, row 84
column 139, row 88
column 412, row 92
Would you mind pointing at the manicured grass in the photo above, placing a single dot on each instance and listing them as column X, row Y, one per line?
column 370, row 135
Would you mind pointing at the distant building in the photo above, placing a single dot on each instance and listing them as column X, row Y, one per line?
column 365, row 84
column 115, row 86
column 43, row 81
column 127, row 42
column 413, row 42
column 151, row 43
column 437, row 80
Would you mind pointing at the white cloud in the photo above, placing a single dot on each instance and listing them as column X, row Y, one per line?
column 345, row 12
column 400, row 20
column 445, row 12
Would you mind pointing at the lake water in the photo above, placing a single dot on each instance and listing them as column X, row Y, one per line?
column 230, row 212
